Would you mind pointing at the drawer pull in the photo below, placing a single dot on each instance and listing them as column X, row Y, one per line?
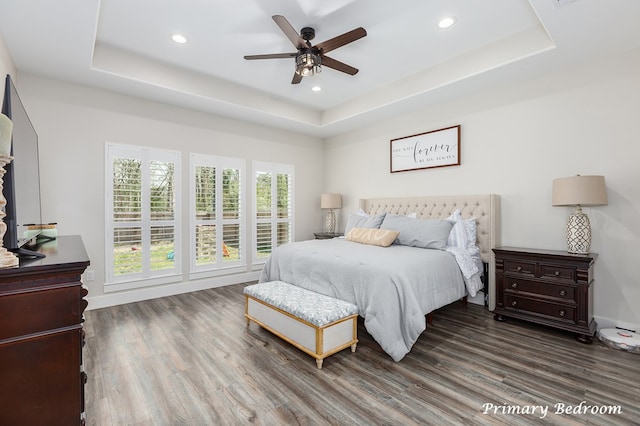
column 514, row 303
column 563, row 293
column 519, row 268
column 514, row 285
column 562, row 313
column 556, row 273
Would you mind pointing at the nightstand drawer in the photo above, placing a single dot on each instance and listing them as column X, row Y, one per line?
column 557, row 272
column 520, row 267
column 513, row 284
column 534, row 306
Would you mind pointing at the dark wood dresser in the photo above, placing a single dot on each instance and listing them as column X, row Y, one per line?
column 41, row 337
column 549, row 287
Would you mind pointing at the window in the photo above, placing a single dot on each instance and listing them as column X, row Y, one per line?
column 143, row 220
column 217, row 212
column 273, row 207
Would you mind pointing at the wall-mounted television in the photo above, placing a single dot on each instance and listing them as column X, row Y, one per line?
column 22, row 179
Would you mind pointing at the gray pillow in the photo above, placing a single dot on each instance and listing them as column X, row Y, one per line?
column 356, row 220
column 423, row 233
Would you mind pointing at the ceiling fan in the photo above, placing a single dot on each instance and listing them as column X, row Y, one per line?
column 310, row 58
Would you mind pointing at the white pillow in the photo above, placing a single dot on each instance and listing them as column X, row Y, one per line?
column 427, row 233
column 358, row 220
column 456, row 238
column 458, row 235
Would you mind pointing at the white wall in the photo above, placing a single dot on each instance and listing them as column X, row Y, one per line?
column 6, row 65
column 515, row 141
column 73, row 124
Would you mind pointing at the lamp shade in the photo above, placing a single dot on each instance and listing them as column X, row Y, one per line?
column 6, row 130
column 579, row 191
column 330, row 201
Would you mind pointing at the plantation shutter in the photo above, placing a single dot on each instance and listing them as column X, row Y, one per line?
column 274, row 214
column 162, row 215
column 127, row 216
column 142, row 219
column 217, row 212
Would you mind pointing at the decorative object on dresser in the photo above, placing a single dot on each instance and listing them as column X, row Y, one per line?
column 579, row 191
column 6, row 131
column 330, row 202
column 41, row 337
column 7, row 259
column 547, row 287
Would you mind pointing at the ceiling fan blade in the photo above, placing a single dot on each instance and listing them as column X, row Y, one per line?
column 271, row 56
column 341, row 40
column 297, row 78
column 290, row 32
column 337, row 65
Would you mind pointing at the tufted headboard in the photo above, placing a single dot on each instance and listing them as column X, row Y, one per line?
column 484, row 207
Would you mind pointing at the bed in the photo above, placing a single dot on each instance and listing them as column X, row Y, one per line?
column 393, row 295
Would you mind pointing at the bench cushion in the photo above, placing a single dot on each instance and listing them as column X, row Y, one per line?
column 308, row 305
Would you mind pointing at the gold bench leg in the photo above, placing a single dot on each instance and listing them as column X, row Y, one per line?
column 319, row 363
column 353, row 347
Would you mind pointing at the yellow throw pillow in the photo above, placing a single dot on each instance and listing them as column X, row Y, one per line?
column 372, row 236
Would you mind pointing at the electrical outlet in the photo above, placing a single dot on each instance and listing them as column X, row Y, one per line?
column 90, row 275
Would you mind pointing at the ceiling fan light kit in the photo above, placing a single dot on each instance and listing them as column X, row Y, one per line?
column 308, row 64
column 309, row 59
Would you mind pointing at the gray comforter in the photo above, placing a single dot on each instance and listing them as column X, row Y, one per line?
column 394, row 287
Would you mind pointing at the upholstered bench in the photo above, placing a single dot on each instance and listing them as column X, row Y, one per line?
column 314, row 323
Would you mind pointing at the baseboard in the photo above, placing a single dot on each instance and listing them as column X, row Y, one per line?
column 146, row 293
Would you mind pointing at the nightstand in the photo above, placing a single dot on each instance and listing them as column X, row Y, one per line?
column 553, row 288
column 326, row 235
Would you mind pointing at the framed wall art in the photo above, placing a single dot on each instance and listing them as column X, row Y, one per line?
column 437, row 148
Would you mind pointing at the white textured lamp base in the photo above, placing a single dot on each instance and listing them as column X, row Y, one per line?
column 331, row 222
column 578, row 232
column 7, row 259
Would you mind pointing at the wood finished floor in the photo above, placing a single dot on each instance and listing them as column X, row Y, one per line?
column 190, row 360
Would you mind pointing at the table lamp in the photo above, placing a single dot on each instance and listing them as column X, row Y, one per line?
column 579, row 191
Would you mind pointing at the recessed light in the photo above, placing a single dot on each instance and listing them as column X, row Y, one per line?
column 178, row 38
column 316, row 88
column 447, row 22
